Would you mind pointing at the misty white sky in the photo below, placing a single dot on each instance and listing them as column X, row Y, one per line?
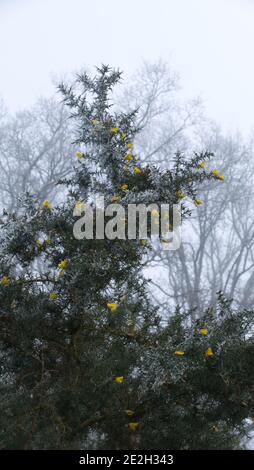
column 210, row 42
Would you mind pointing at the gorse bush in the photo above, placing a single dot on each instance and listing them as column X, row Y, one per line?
column 87, row 360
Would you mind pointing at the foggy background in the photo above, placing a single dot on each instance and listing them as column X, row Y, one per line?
column 209, row 42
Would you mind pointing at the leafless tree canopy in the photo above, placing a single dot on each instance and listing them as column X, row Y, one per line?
column 35, row 151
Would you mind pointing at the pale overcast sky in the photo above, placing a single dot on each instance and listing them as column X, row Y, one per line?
column 210, row 43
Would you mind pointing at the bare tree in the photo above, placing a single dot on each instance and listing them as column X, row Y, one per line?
column 166, row 118
column 217, row 253
column 35, row 152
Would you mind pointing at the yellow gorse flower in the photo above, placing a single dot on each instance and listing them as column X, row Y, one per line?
column 179, row 353
column 143, row 242
column 130, row 145
column 124, row 186
column 63, row 264
column 114, row 130
column 129, row 412
column 129, row 157
column 218, row 175
column 5, row 281
column 112, row 306
column 39, row 243
column 134, row 426
column 53, row 296
column 209, row 352
column 204, row 331
column 137, row 170
column 79, row 155
column 95, row 122
column 180, row 194
column 47, row 205
column 123, row 135
column 62, row 273
column 120, row 379
column 202, row 165
column 199, row 202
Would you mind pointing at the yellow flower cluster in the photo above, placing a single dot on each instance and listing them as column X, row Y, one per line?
column 129, row 157
column 53, row 296
column 204, row 331
column 124, row 186
column 180, row 194
column 218, row 175
column 209, row 352
column 199, row 202
column 112, row 306
column 47, row 205
column 202, row 165
column 5, row 281
column 63, row 264
column 120, row 379
column 134, row 426
column 79, row 155
column 137, row 170
column 114, row 130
